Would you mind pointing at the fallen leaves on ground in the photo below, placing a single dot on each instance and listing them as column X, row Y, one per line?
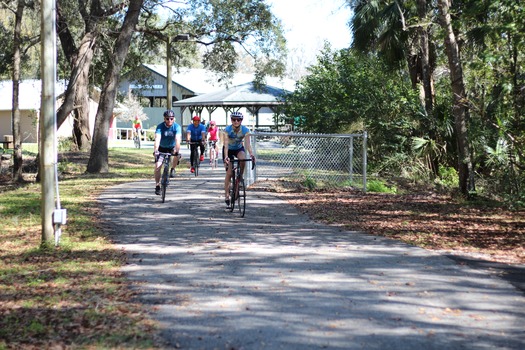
column 428, row 220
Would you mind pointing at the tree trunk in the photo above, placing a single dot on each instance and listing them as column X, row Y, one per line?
column 426, row 71
column 17, row 136
column 460, row 108
column 427, row 88
column 81, row 132
column 98, row 159
column 76, row 98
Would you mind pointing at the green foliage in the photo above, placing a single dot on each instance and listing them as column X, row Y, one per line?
column 6, row 41
column 310, row 183
column 349, row 92
column 380, row 187
column 448, row 177
column 65, row 144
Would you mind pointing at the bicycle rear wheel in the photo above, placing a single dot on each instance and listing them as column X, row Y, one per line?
column 241, row 197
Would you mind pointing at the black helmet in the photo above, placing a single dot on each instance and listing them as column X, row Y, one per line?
column 169, row 113
column 237, row 115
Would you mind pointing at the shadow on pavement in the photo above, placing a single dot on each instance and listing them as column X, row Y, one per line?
column 275, row 279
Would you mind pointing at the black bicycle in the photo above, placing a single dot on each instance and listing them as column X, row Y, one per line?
column 237, row 189
column 195, row 155
column 165, row 177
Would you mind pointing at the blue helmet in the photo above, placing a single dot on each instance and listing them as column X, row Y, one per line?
column 169, row 113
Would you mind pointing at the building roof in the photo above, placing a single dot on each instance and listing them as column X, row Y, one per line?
column 202, row 81
column 30, row 94
column 240, row 95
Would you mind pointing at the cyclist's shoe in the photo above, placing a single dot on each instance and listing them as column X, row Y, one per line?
column 172, row 173
column 157, row 190
column 202, row 157
column 192, row 169
column 227, row 201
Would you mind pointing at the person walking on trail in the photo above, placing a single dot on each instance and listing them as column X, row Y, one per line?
column 196, row 134
column 236, row 142
column 167, row 140
column 213, row 138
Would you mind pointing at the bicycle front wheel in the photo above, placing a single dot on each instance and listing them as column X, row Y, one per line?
column 197, row 165
column 212, row 158
column 232, row 194
column 164, row 182
column 241, row 197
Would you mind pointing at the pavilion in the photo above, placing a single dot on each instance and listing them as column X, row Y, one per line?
column 230, row 99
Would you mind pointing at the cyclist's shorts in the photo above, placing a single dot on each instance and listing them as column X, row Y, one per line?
column 160, row 158
column 234, row 153
column 166, row 150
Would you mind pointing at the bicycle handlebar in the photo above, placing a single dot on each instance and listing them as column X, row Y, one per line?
column 158, row 154
column 244, row 160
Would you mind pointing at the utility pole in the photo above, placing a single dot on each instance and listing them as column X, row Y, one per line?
column 47, row 124
column 169, row 94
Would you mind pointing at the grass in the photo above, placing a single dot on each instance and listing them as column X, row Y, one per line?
column 75, row 295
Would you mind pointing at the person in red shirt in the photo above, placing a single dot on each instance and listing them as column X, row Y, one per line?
column 213, row 138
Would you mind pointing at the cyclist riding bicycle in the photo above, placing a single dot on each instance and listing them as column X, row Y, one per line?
column 213, row 138
column 137, row 125
column 196, row 133
column 235, row 137
column 167, row 140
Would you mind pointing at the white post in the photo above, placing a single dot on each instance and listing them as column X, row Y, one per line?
column 47, row 125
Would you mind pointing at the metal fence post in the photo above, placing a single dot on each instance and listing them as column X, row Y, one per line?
column 365, row 135
column 351, row 155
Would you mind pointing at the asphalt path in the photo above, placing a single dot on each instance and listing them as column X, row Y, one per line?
column 276, row 280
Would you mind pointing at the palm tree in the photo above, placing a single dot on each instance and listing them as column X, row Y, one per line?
column 381, row 26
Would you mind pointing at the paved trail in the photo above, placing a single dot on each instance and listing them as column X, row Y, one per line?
column 275, row 280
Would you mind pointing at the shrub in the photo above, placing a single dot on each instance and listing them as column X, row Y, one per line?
column 379, row 186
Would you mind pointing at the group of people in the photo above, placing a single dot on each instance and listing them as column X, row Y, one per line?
column 198, row 133
column 168, row 136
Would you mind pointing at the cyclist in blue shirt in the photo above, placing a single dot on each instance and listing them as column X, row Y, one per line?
column 235, row 138
column 167, row 140
column 196, row 132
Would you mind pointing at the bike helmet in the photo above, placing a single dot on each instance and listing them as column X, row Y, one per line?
column 212, row 122
column 196, row 118
column 237, row 115
column 169, row 113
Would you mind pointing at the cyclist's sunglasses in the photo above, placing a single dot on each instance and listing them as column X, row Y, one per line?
column 236, row 119
column 170, row 118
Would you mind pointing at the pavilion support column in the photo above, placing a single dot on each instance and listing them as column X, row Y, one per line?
column 254, row 110
column 210, row 110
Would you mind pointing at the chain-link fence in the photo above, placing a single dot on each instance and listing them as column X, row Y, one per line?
column 317, row 160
